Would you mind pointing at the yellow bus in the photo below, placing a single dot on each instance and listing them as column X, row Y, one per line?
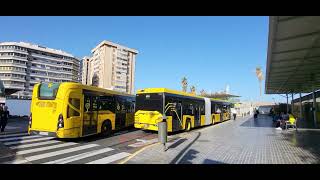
column 71, row 110
column 181, row 110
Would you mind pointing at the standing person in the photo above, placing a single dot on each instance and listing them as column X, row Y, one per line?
column 5, row 117
column 234, row 113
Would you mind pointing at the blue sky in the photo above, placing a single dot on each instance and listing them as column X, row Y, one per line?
column 211, row 52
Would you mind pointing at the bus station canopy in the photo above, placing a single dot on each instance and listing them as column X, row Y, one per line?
column 293, row 58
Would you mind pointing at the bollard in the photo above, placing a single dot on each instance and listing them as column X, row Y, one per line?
column 162, row 132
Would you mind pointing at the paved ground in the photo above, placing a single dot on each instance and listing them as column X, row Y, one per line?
column 244, row 141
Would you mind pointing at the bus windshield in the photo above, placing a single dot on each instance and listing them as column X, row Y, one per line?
column 48, row 90
column 149, row 102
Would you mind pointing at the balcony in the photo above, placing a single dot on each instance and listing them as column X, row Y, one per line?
column 51, row 58
column 14, row 86
column 14, row 57
column 13, row 72
column 12, row 79
column 13, row 64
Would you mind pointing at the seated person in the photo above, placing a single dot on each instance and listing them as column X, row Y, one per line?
column 281, row 121
column 276, row 117
column 291, row 118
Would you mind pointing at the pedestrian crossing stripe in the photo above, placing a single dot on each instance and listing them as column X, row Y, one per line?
column 16, row 162
column 79, row 156
column 60, row 152
column 12, row 135
column 22, row 152
column 26, row 145
column 27, row 141
column 110, row 159
column 18, row 138
column 34, row 144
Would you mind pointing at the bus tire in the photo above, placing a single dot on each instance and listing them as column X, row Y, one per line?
column 106, row 128
column 188, row 125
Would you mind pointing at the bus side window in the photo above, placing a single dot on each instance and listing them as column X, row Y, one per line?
column 73, row 107
column 202, row 109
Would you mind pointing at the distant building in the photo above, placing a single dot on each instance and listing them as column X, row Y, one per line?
column 85, row 70
column 111, row 66
column 22, row 65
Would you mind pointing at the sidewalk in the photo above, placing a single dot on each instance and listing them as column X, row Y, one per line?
column 244, row 141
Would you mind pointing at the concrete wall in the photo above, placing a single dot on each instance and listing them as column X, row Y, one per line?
column 18, row 107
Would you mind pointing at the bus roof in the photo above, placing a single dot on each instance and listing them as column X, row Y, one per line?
column 92, row 88
column 171, row 91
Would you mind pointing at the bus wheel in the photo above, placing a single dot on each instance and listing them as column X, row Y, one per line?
column 188, row 125
column 106, row 128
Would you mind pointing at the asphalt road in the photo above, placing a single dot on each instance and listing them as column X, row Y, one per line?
column 95, row 149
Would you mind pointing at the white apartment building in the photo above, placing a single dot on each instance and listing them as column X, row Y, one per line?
column 22, row 65
column 112, row 66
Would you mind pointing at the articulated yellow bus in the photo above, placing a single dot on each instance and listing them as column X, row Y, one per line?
column 71, row 110
column 183, row 111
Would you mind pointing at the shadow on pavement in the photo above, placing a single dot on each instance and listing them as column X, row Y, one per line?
column 308, row 140
column 261, row 121
column 175, row 160
column 176, row 144
column 189, row 156
column 209, row 161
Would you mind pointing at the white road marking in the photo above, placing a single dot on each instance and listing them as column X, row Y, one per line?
column 79, row 156
column 12, row 127
column 27, row 141
column 15, row 162
column 12, row 135
column 34, row 144
column 142, row 140
column 45, row 148
column 56, row 153
column 18, row 138
column 110, row 159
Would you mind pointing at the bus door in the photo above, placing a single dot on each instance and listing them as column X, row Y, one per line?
column 120, row 113
column 74, row 115
column 196, row 115
column 90, row 115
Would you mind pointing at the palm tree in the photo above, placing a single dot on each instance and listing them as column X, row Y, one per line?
column 193, row 90
column 184, row 84
column 259, row 75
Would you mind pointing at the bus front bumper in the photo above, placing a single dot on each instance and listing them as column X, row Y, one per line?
column 145, row 126
column 66, row 133
column 43, row 133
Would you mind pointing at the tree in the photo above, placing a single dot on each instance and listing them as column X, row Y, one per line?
column 95, row 80
column 259, row 75
column 193, row 90
column 184, row 84
column 203, row 92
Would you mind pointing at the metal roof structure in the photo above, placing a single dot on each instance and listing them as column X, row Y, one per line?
column 293, row 59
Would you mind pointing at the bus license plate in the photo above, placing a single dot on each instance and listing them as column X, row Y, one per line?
column 44, row 133
column 146, row 126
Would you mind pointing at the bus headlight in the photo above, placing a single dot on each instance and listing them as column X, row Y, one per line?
column 60, row 121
